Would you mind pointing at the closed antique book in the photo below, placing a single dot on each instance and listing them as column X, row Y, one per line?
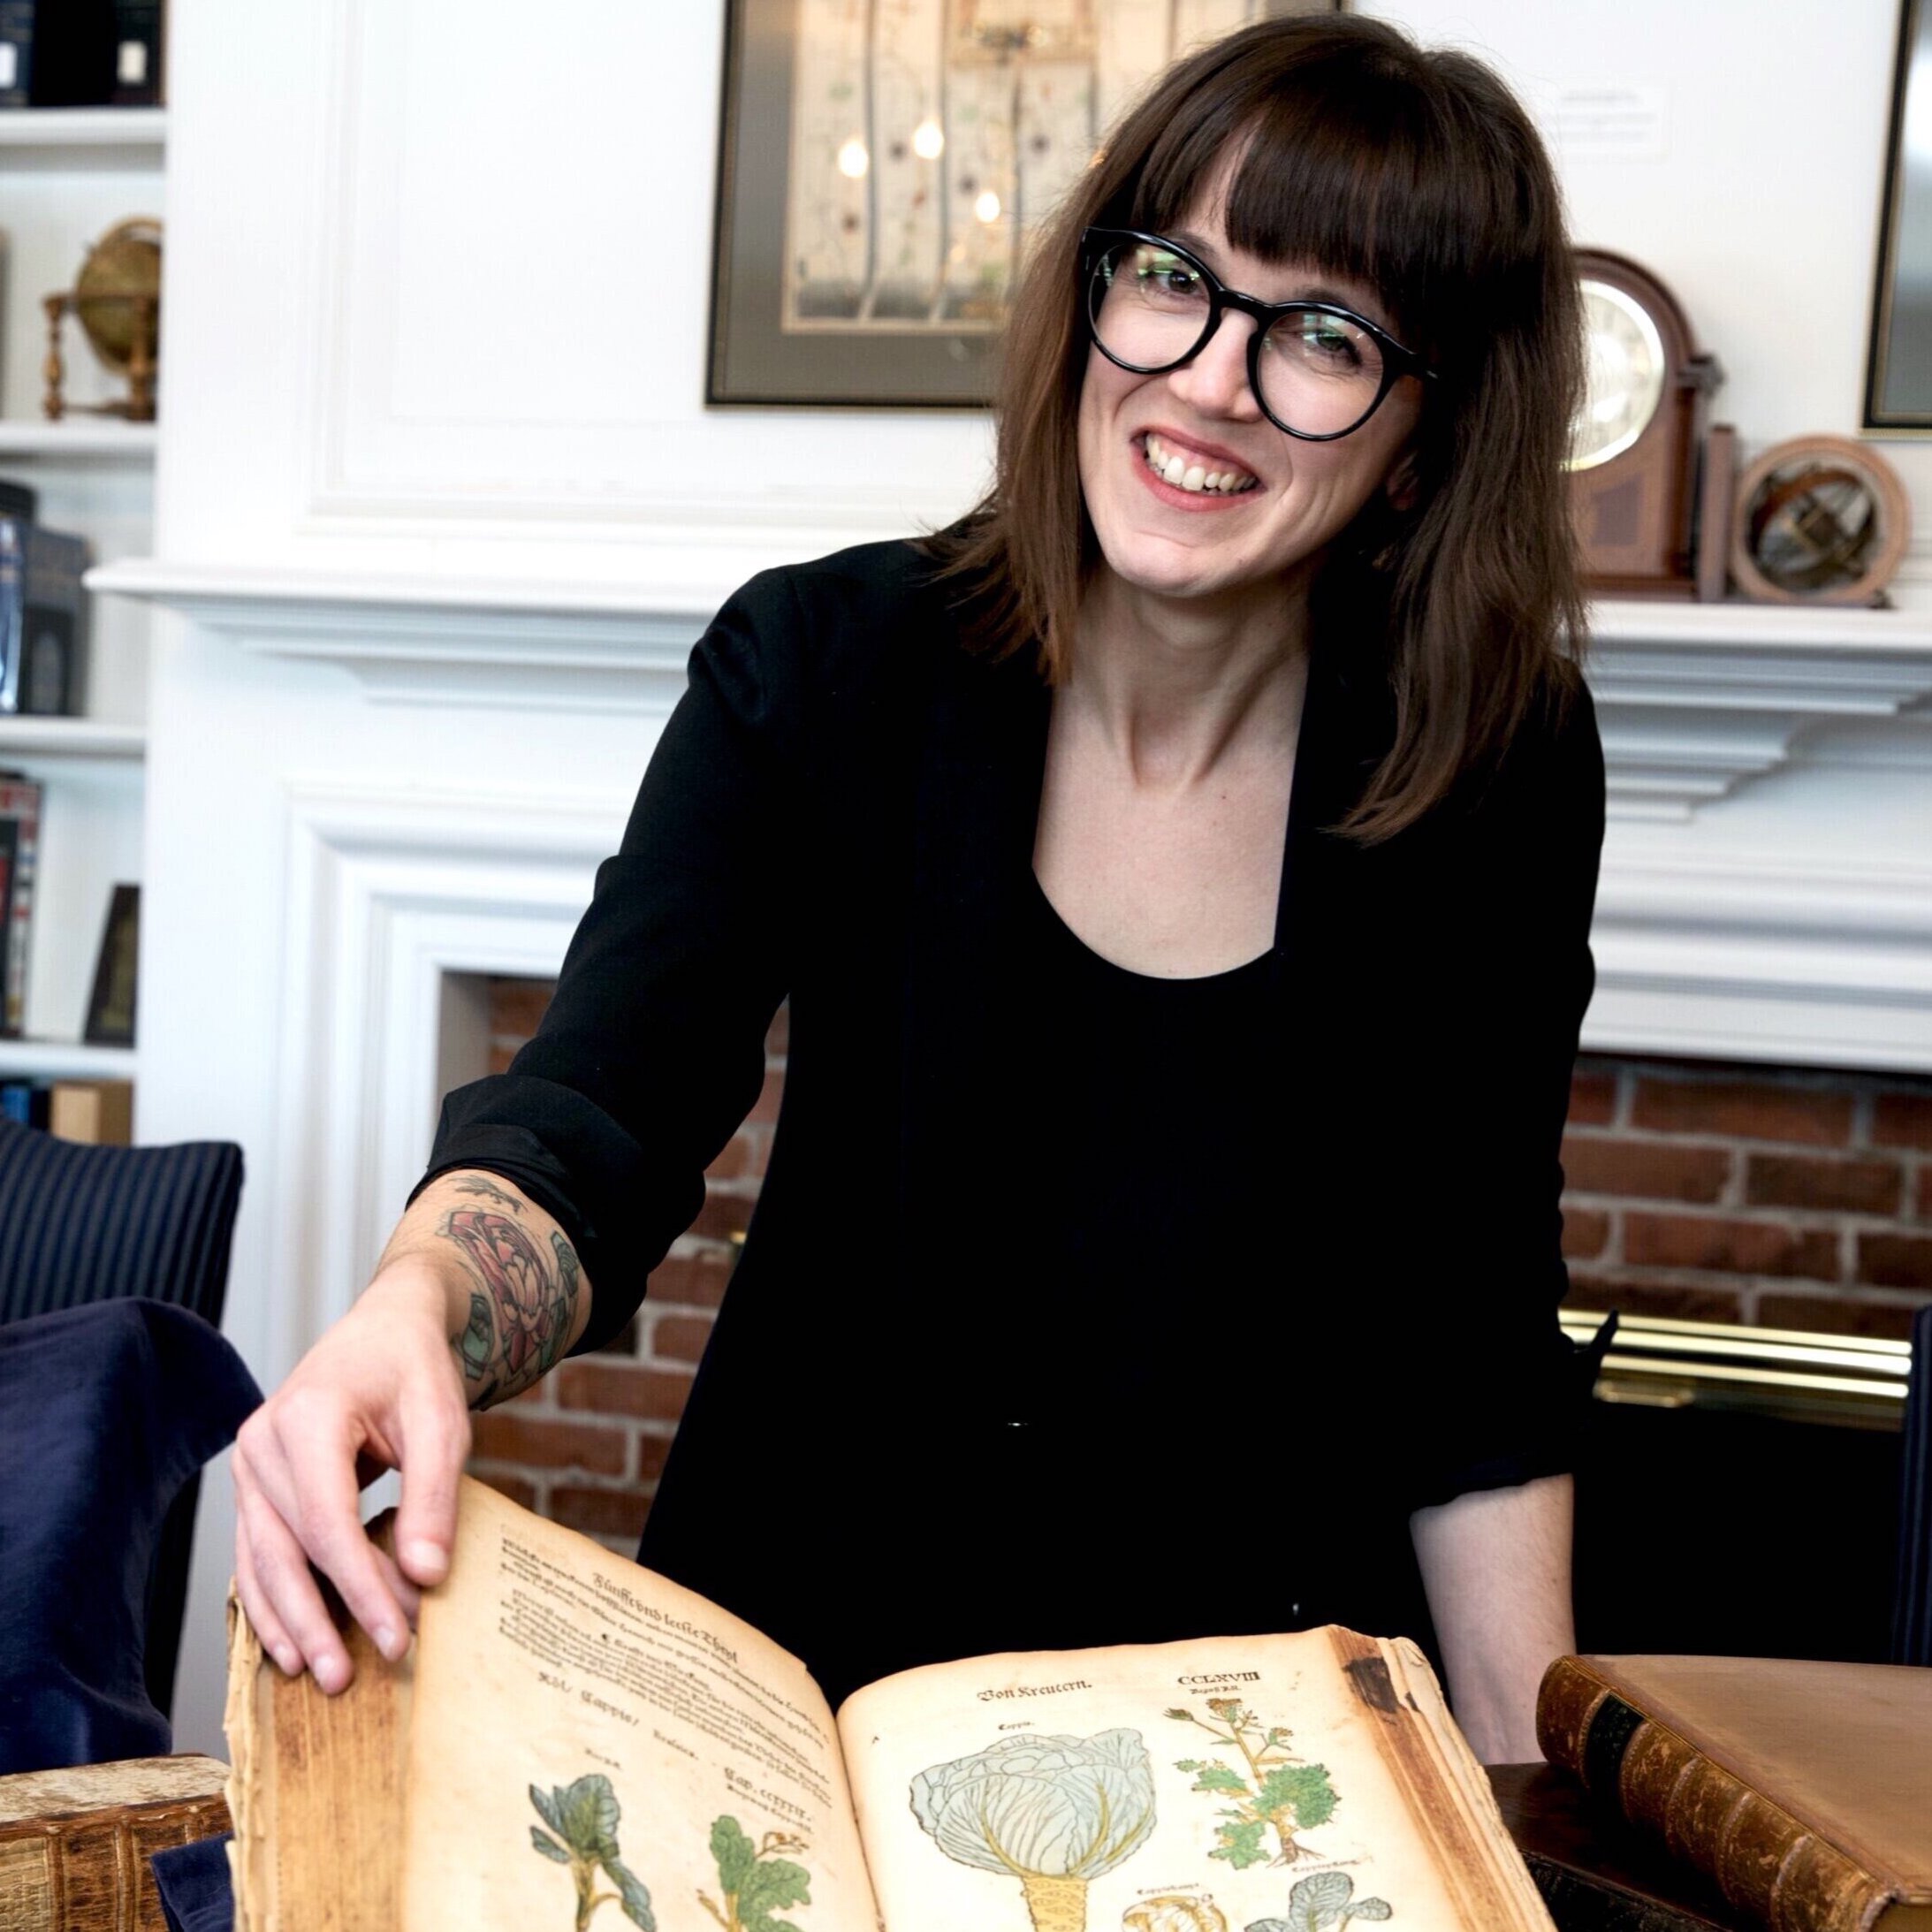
column 1803, row 1790
column 74, row 1843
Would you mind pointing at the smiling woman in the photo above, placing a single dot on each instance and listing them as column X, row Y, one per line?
column 1123, row 851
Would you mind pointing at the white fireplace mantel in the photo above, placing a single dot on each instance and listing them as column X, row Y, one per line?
column 1693, row 699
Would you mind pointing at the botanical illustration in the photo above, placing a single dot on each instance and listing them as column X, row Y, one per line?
column 1273, row 1790
column 1324, row 1900
column 756, row 1880
column 1054, row 1813
column 1174, row 1913
column 929, row 138
column 584, row 1817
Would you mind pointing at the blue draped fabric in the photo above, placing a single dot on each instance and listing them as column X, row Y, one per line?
column 105, row 1411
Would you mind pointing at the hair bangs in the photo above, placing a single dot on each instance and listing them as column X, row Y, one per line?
column 1349, row 164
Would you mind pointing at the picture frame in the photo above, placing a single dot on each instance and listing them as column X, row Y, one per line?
column 879, row 173
column 1898, row 365
column 111, row 1005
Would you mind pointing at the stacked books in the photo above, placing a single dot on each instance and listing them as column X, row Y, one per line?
column 1803, row 1790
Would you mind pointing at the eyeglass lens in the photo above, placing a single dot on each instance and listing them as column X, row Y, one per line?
column 1151, row 308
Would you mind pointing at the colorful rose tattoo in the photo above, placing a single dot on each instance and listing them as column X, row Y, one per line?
column 531, row 1304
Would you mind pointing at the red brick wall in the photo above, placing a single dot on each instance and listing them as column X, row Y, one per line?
column 1720, row 1193
column 1780, row 1199
column 585, row 1447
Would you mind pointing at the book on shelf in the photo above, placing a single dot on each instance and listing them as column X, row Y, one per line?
column 98, row 1112
column 28, row 1103
column 20, row 860
column 74, row 1843
column 1803, row 1790
column 139, row 41
column 16, row 52
column 575, row 1740
column 42, row 620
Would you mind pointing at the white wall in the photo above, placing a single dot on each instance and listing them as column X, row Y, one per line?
column 1756, row 195
column 436, row 300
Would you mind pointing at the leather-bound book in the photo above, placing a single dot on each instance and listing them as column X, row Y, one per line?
column 1803, row 1790
column 74, row 1843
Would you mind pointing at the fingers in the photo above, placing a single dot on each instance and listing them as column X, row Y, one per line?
column 296, row 1498
column 432, row 1446
column 284, row 1604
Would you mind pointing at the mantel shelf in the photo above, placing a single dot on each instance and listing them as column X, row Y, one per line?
column 1694, row 699
column 426, row 641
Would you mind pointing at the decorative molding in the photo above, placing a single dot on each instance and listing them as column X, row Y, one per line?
column 387, row 893
column 1756, row 956
column 1695, row 699
column 425, row 641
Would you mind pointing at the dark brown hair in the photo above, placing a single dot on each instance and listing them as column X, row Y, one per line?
column 1418, row 174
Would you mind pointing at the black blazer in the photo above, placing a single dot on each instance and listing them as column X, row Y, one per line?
column 842, row 809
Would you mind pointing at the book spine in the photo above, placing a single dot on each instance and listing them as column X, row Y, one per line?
column 139, row 29
column 21, row 813
column 90, row 1874
column 16, row 52
column 1765, row 1862
column 12, row 591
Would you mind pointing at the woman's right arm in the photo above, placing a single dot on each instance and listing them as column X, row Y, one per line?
column 478, row 1294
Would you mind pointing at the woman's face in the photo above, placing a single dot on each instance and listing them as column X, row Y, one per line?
column 1282, row 500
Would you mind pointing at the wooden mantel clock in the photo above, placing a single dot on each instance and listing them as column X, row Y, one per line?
column 1634, row 453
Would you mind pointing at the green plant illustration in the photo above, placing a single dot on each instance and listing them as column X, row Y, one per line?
column 1274, row 1791
column 584, row 1817
column 756, row 1880
column 1322, row 1901
column 1054, row 1813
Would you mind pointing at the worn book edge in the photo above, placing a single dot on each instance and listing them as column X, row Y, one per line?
column 1783, row 1870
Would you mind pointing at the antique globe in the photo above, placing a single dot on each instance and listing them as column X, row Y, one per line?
column 121, row 268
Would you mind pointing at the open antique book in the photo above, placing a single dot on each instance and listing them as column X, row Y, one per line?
column 577, row 1743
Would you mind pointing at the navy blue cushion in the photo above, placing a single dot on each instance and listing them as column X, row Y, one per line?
column 105, row 1412
column 192, row 1881
column 82, row 1224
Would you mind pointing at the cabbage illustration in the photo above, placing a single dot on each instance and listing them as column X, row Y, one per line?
column 1053, row 1812
column 1174, row 1913
column 1324, row 1900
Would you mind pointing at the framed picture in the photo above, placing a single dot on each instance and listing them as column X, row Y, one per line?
column 111, row 1006
column 1898, row 370
column 882, row 164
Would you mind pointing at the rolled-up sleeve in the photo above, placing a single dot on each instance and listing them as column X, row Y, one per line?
column 651, row 1050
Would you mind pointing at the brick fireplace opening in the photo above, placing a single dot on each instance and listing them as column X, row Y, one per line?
column 1773, row 1199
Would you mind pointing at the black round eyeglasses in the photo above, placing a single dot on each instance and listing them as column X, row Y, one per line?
column 1319, row 370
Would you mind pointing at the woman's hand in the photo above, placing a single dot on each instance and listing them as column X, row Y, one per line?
column 380, row 1390
column 478, row 1294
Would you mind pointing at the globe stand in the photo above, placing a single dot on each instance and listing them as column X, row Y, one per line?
column 142, row 368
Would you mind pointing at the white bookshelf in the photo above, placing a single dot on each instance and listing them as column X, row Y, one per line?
column 38, row 738
column 89, row 439
column 67, row 175
column 63, row 1060
column 68, row 136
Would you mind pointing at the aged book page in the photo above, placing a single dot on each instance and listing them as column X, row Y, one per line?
column 593, row 1745
column 1310, row 1780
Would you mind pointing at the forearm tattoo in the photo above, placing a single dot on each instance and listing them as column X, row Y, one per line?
column 523, row 1307
column 481, row 1184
